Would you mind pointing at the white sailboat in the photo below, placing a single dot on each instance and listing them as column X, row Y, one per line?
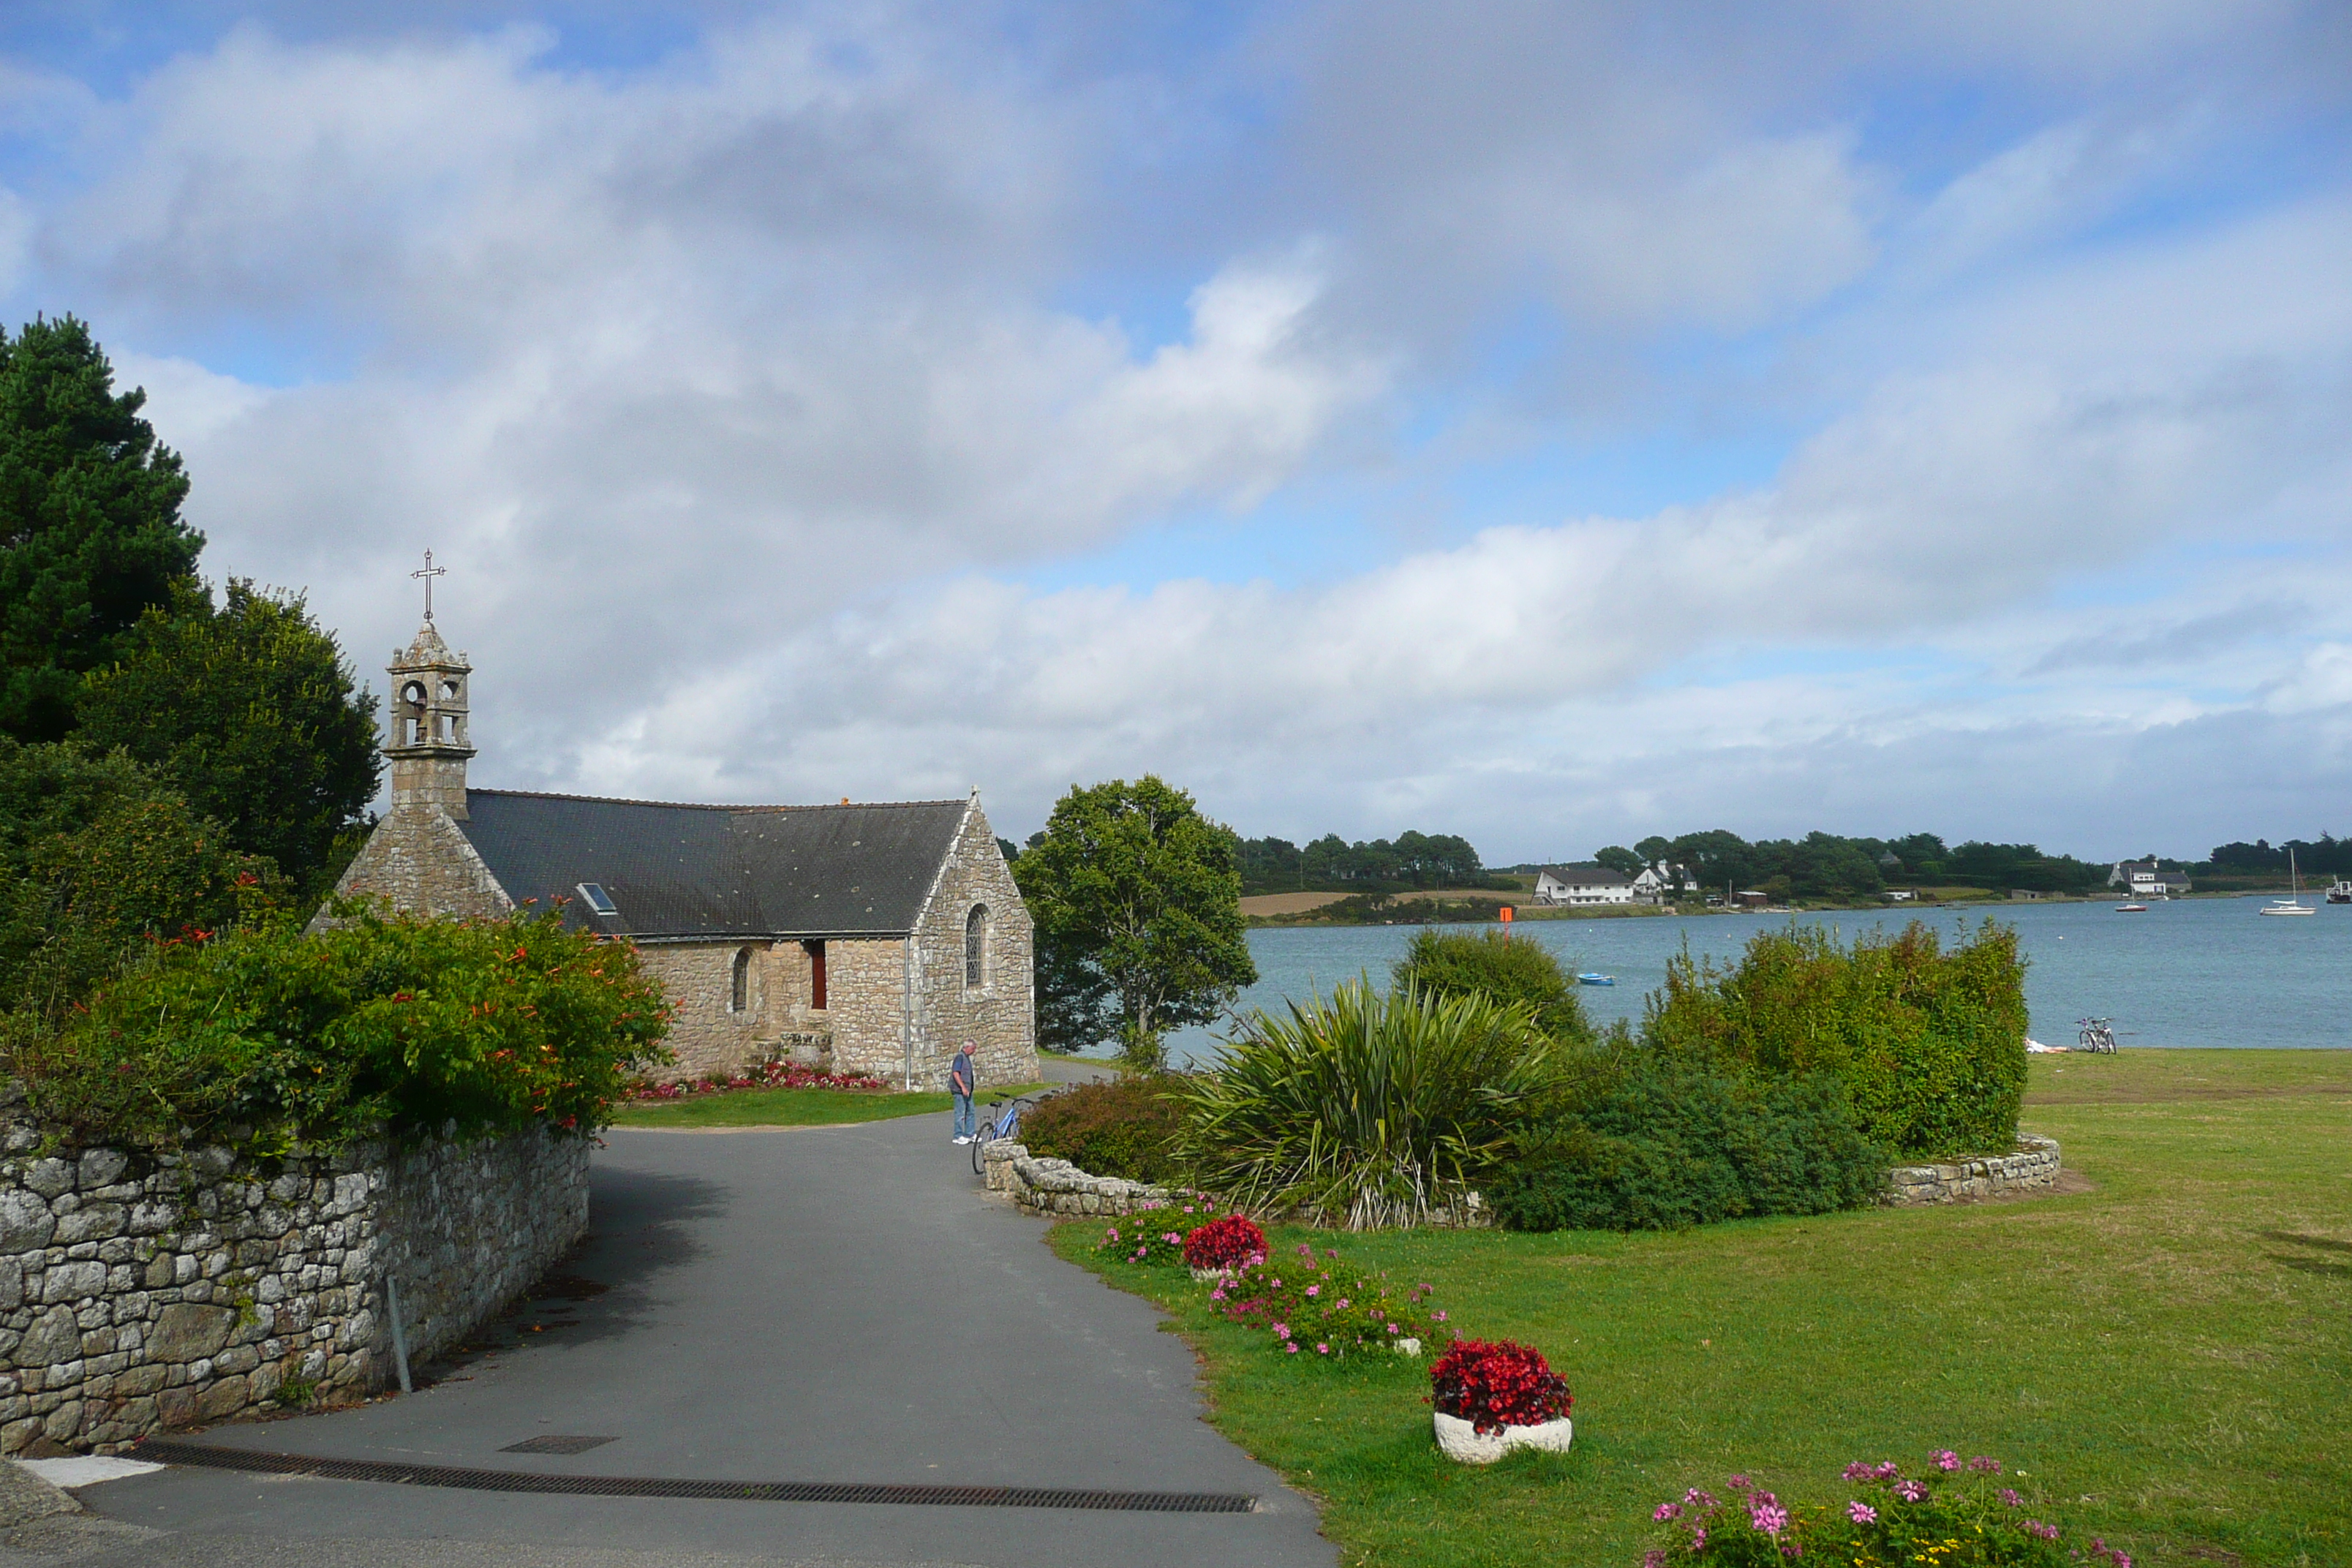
column 2294, row 906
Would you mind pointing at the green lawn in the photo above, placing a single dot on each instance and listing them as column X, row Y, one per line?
column 2168, row 1357
column 796, row 1107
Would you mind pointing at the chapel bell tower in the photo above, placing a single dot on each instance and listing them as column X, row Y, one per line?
column 425, row 730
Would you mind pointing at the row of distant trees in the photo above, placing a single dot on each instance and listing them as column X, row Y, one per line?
column 2326, row 856
column 1332, row 864
column 1826, row 868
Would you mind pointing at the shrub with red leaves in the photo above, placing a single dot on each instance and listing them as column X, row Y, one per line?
column 1495, row 1383
column 1226, row 1243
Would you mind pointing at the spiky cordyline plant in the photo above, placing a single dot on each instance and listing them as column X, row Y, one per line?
column 1366, row 1110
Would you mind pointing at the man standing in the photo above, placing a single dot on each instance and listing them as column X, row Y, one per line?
column 963, row 1077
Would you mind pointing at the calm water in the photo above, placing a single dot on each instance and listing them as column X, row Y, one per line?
column 2201, row 971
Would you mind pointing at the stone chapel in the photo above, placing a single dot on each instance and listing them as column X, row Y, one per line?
column 871, row 939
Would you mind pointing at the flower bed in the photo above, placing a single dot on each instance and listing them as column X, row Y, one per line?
column 1146, row 1239
column 1232, row 1242
column 776, row 1074
column 1496, row 1384
column 1964, row 1516
column 1321, row 1306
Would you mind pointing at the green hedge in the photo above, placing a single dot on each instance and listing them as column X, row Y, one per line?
column 1929, row 1042
column 1666, row 1144
column 1496, row 965
column 265, row 1038
column 1125, row 1126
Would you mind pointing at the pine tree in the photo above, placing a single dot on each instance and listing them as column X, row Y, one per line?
column 90, row 533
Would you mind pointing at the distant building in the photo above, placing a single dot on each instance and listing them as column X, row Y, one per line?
column 1655, row 884
column 1582, row 885
column 1751, row 898
column 2024, row 896
column 2145, row 879
column 1900, row 894
column 871, row 939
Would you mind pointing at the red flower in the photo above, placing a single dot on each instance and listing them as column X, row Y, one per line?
column 1496, row 1384
column 1225, row 1243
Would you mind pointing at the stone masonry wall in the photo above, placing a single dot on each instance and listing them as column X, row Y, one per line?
column 137, row 1299
column 1058, row 1187
column 421, row 860
column 866, row 989
column 2034, row 1165
column 998, row 1015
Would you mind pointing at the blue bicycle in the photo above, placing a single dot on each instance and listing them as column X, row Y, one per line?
column 1005, row 1124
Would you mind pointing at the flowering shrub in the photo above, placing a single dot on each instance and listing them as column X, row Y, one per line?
column 1320, row 1306
column 1145, row 1238
column 1959, row 1518
column 1226, row 1243
column 767, row 1075
column 1495, row 1383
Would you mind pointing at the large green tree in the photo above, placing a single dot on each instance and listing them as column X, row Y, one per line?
column 97, row 858
column 1136, row 897
column 253, row 713
column 90, row 533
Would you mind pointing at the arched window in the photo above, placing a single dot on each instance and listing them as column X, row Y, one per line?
column 975, row 948
column 740, row 996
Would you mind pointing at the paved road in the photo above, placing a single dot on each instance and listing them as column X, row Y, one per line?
column 829, row 1303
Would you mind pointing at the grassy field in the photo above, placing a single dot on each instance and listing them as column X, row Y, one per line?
column 2167, row 1357
column 794, row 1107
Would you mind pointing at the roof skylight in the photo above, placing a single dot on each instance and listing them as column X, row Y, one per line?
column 598, row 899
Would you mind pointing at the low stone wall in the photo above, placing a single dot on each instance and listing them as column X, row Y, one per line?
column 134, row 1299
column 1058, row 1187
column 2034, row 1165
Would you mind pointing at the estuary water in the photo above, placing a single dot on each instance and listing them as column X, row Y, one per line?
column 2194, row 972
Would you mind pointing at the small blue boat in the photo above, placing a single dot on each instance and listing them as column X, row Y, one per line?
column 1596, row 980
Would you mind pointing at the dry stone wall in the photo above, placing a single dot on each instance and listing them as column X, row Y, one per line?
column 1058, row 1187
column 421, row 860
column 2033, row 1166
column 138, row 1298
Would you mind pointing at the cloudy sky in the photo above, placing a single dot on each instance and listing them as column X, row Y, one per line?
column 1549, row 422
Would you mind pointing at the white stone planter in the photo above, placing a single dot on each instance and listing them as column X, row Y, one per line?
column 1462, row 1443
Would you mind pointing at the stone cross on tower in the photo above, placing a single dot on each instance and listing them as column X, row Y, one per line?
column 429, row 572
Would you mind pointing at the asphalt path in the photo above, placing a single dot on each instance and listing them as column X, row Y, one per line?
column 804, row 1304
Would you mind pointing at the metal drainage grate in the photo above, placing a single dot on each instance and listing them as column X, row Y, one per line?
column 200, row 1453
column 553, row 1445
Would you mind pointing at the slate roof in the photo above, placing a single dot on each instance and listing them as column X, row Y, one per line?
column 1586, row 876
column 717, row 871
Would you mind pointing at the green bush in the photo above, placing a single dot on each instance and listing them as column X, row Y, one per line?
column 1665, row 1146
column 265, row 1038
column 1126, row 1126
column 1495, row 966
column 1369, row 1111
column 98, row 859
column 1930, row 1044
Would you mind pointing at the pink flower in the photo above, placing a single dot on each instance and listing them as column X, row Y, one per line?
column 1291, row 1345
column 1343, row 1303
column 1741, row 1483
column 1282, row 1329
column 1667, row 1510
column 1393, row 1327
column 1910, row 1491
column 1440, row 1317
column 1884, row 1470
column 1986, row 1463
column 1321, row 1348
column 1111, row 1234
column 1315, row 1289
column 1764, row 1511
column 1698, row 1539
column 1654, row 1558
column 1857, row 1471
column 1698, row 1498
column 1946, row 1460
column 2011, row 1498
column 1862, row 1513
column 1305, row 1250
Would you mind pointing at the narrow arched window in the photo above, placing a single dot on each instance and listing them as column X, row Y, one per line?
column 975, row 948
column 740, row 996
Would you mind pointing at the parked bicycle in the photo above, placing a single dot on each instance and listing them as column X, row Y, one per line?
column 2096, row 1037
column 1005, row 1124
